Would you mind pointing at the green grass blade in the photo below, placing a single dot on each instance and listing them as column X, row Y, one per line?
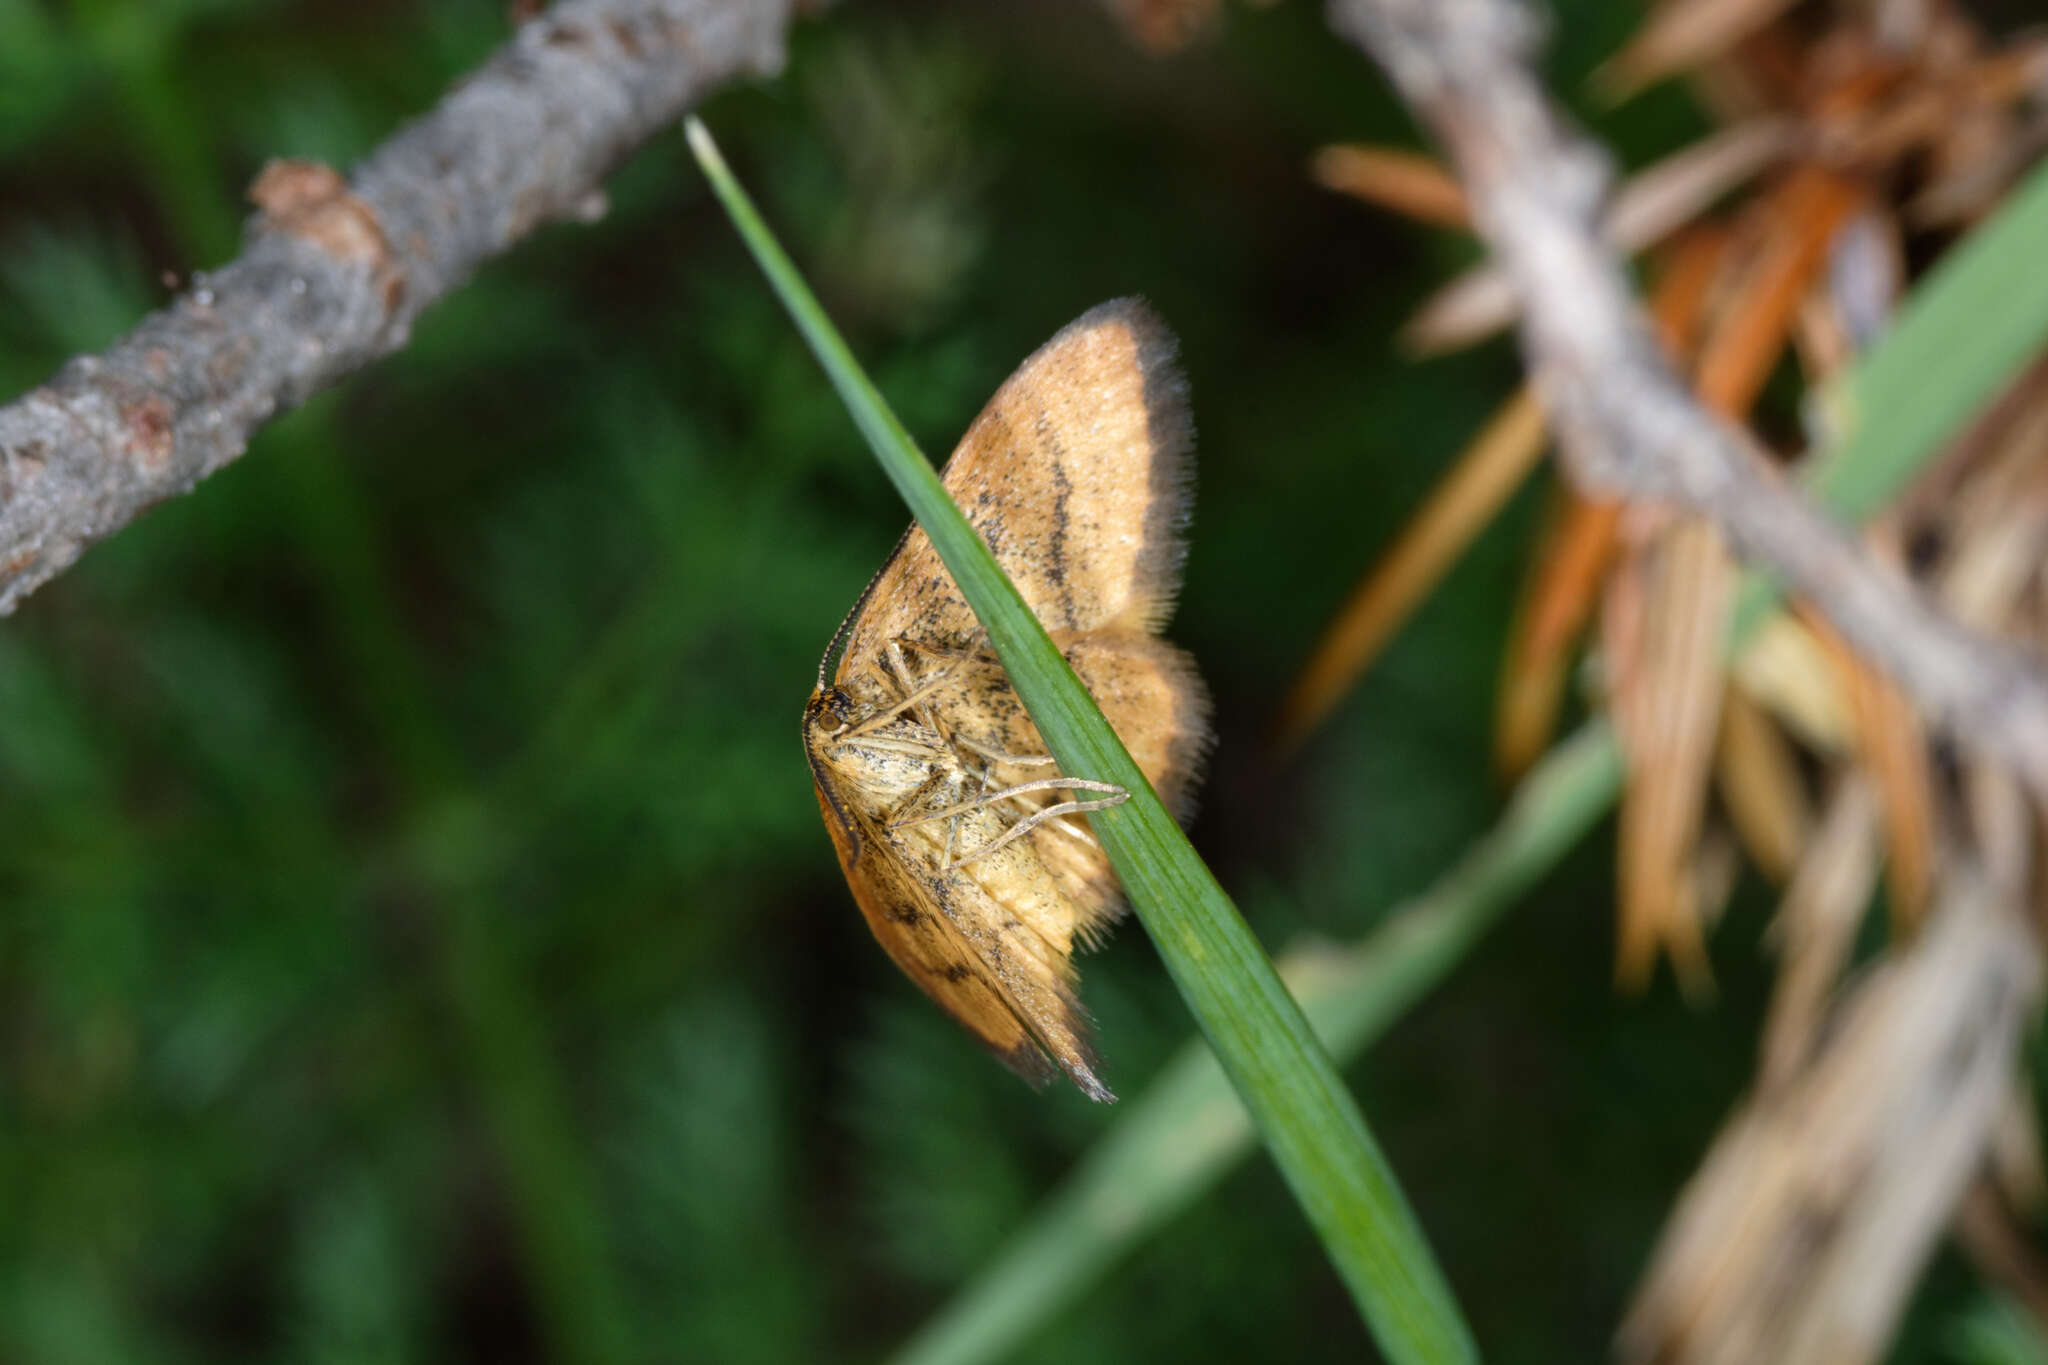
column 1309, row 1121
column 1964, row 335
column 1173, row 1143
column 1959, row 339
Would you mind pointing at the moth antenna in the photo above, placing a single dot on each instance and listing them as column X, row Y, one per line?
column 853, row 613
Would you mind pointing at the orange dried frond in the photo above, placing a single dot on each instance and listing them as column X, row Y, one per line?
column 1801, row 216
column 1479, row 482
column 1557, row 598
column 1393, row 178
column 1692, row 265
column 1568, row 578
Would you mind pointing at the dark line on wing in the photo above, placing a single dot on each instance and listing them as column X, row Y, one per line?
column 1063, row 494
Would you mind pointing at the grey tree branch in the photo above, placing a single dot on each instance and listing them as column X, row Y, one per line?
column 334, row 272
column 1625, row 422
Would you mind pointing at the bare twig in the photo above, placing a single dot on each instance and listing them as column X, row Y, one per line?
column 334, row 273
column 1626, row 424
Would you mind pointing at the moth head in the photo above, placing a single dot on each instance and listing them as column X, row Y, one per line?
column 829, row 713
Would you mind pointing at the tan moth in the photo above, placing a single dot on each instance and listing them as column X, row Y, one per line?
column 964, row 844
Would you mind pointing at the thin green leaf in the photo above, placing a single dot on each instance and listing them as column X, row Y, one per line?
column 1960, row 338
column 1286, row 1080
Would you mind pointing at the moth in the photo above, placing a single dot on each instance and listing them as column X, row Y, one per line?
column 961, row 839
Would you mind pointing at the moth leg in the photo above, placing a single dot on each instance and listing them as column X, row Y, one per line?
column 1118, row 797
column 912, row 689
column 1040, row 816
column 953, row 825
column 1115, row 796
column 996, row 755
column 889, row 713
column 926, row 791
column 968, row 655
column 1075, row 831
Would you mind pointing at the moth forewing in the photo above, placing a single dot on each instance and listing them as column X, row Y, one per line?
column 965, row 846
column 1078, row 475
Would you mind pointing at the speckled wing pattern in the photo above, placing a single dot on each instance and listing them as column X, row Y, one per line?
column 1077, row 476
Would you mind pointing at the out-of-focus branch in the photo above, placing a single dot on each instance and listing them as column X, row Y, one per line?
column 1625, row 422
column 335, row 272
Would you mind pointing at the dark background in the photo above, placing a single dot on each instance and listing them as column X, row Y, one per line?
column 417, row 940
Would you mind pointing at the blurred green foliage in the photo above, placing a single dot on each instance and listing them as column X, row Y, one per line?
column 418, row 941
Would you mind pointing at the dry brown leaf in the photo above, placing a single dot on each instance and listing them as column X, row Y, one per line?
column 1893, row 745
column 1669, row 726
column 1666, row 704
column 1816, row 924
column 1681, row 34
column 1802, row 1232
column 1482, row 478
column 1971, row 164
column 1761, row 787
column 1997, row 529
column 1997, row 523
column 1394, row 178
column 2001, row 823
column 1789, row 672
column 1950, row 101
